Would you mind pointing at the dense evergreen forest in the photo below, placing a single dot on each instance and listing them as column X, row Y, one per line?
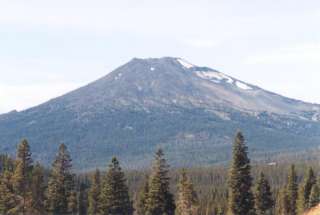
column 242, row 188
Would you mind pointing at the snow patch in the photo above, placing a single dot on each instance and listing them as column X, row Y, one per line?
column 118, row 76
column 185, row 63
column 243, row 86
column 214, row 76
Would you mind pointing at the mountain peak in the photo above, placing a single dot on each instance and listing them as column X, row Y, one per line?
column 175, row 60
column 164, row 101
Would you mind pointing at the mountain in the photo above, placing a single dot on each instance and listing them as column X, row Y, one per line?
column 191, row 112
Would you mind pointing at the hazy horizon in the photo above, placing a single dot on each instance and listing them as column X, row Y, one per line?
column 49, row 48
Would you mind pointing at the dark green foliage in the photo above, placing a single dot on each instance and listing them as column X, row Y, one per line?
column 160, row 201
column 22, row 176
column 142, row 198
column 263, row 197
column 94, row 193
column 305, row 190
column 82, row 200
column 314, row 199
column 210, row 185
column 187, row 202
column 73, row 203
column 114, row 197
column 284, row 207
column 292, row 191
column 241, row 201
column 61, row 183
column 38, row 190
column 8, row 201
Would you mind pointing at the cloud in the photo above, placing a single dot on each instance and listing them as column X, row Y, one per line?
column 300, row 53
column 201, row 43
column 17, row 97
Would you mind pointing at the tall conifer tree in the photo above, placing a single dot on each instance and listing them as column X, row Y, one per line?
column 160, row 201
column 8, row 200
column 82, row 200
column 241, row 201
column 61, row 182
column 263, row 197
column 187, row 199
column 142, row 198
column 22, row 175
column 94, row 193
column 73, row 203
column 114, row 197
column 314, row 199
column 37, row 190
column 292, row 191
column 305, row 190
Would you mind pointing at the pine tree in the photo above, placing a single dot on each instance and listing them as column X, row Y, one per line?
column 61, row 182
column 114, row 197
column 82, row 200
column 284, row 202
column 8, row 201
column 37, row 190
column 73, row 203
column 314, row 199
column 160, row 201
column 94, row 193
column 22, row 175
column 292, row 191
column 263, row 196
column 143, row 196
column 187, row 202
column 305, row 190
column 241, row 201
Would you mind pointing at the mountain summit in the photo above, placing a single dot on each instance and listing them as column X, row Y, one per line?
column 190, row 111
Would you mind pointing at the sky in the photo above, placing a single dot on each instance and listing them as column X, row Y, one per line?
column 48, row 48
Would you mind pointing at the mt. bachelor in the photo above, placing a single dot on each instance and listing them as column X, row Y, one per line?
column 191, row 112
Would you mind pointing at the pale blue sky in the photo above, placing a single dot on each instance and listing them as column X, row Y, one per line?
column 50, row 47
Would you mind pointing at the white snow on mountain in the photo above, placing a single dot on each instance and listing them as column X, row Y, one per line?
column 243, row 86
column 185, row 64
column 213, row 74
column 217, row 77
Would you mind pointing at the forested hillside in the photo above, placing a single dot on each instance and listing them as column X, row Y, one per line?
column 242, row 187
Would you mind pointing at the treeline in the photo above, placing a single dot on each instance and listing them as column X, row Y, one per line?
column 26, row 187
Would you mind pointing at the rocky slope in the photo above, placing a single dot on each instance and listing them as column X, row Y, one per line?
column 190, row 111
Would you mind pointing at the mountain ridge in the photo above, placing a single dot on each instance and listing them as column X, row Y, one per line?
column 163, row 102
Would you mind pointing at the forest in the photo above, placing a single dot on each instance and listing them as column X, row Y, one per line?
column 241, row 188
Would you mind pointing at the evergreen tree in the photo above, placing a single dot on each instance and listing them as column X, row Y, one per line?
column 292, row 191
column 73, row 203
column 160, row 201
column 22, row 175
column 37, row 190
column 82, row 200
column 61, row 182
column 314, row 199
column 8, row 200
column 305, row 190
column 143, row 196
column 284, row 203
column 94, row 193
column 241, row 201
column 187, row 202
column 114, row 197
column 263, row 196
